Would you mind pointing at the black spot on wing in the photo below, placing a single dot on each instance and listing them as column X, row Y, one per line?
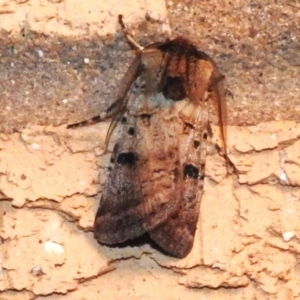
column 190, row 171
column 196, row 144
column 127, row 158
column 131, row 131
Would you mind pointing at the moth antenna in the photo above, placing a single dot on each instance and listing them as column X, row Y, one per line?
column 221, row 108
column 137, row 47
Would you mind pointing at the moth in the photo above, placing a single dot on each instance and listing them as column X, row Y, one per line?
column 155, row 180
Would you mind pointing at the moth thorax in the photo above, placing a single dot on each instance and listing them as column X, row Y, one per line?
column 173, row 88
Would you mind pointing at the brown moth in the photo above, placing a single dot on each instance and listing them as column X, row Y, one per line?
column 155, row 180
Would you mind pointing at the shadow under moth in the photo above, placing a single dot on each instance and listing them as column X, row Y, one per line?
column 155, row 180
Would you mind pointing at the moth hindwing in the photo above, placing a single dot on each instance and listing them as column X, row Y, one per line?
column 157, row 167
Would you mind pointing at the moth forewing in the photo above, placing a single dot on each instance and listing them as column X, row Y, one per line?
column 157, row 170
column 176, row 234
column 139, row 195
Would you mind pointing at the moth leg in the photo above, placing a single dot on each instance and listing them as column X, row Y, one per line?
column 88, row 122
column 111, row 111
column 118, row 106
